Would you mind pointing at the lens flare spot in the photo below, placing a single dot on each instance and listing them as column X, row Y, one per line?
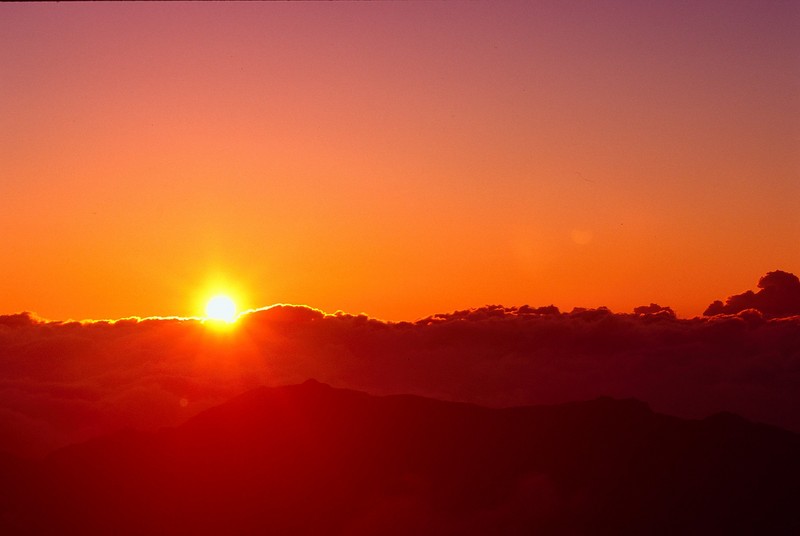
column 581, row 236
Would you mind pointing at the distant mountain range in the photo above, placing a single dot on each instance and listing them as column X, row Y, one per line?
column 312, row 459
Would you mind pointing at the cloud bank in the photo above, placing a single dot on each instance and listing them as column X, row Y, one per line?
column 65, row 382
column 779, row 297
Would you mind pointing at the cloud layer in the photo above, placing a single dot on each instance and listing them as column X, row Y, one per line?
column 779, row 297
column 65, row 382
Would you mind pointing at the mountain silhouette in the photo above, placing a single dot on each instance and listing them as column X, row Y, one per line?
column 312, row 459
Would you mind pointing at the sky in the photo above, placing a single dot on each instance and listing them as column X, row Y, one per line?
column 396, row 159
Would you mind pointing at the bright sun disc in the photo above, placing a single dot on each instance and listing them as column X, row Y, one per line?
column 221, row 308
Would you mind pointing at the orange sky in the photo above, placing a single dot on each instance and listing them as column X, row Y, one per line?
column 399, row 159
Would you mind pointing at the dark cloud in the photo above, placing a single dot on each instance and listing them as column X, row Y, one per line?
column 65, row 382
column 654, row 309
column 779, row 297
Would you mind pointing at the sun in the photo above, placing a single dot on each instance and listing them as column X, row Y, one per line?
column 221, row 308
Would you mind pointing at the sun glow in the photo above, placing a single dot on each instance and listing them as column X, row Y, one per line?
column 221, row 308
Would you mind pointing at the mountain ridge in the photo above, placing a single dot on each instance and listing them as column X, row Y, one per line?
column 314, row 459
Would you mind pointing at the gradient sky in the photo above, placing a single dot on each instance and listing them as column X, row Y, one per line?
column 399, row 159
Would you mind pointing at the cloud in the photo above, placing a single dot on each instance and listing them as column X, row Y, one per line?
column 654, row 309
column 779, row 297
column 66, row 382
